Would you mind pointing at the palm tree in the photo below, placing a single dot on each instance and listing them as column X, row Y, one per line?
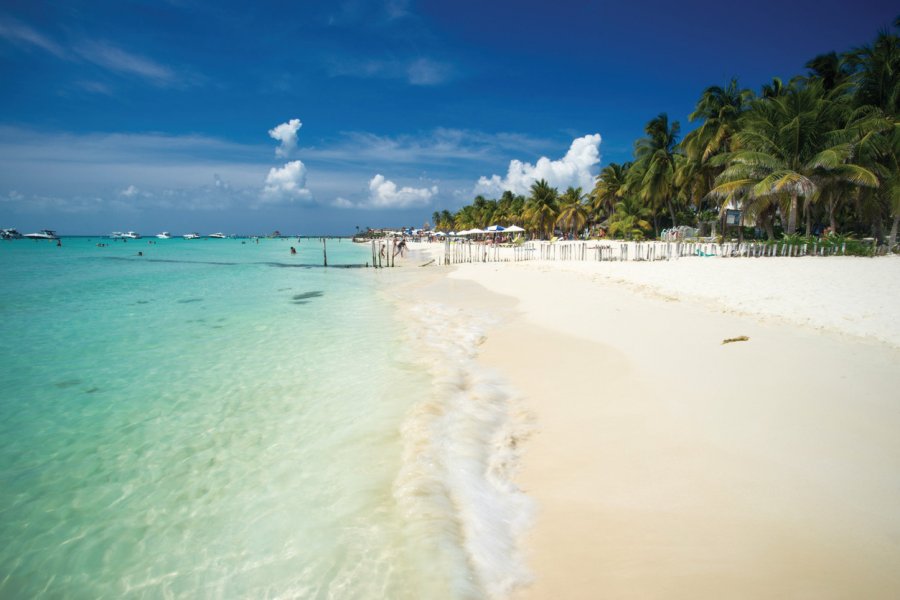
column 629, row 219
column 720, row 109
column 831, row 69
column 655, row 162
column 878, row 73
column 774, row 89
column 573, row 212
column 607, row 190
column 542, row 206
column 785, row 145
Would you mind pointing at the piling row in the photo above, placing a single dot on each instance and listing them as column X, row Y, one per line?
column 472, row 252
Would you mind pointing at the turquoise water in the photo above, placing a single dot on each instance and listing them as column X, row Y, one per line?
column 207, row 420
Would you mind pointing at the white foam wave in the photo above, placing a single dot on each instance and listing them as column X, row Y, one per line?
column 461, row 447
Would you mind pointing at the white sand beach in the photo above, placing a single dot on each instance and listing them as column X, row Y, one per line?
column 666, row 464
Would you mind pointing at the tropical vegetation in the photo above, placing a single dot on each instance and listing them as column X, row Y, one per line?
column 816, row 155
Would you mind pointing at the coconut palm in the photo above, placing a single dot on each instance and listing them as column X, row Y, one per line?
column 878, row 73
column 573, row 210
column 785, row 145
column 719, row 108
column 629, row 219
column 654, row 178
column 831, row 69
column 774, row 89
column 541, row 207
column 606, row 192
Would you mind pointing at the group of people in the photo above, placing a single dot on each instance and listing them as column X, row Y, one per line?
column 399, row 248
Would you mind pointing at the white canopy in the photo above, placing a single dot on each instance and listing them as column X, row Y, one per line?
column 514, row 228
column 474, row 231
column 493, row 228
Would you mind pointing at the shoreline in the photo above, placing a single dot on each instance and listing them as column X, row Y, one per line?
column 666, row 464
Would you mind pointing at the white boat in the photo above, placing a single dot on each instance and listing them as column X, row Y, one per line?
column 191, row 236
column 10, row 234
column 44, row 234
column 218, row 236
column 164, row 235
column 132, row 235
column 117, row 235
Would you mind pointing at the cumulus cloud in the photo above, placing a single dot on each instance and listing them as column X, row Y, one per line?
column 573, row 169
column 287, row 184
column 129, row 192
column 286, row 134
column 341, row 202
column 384, row 193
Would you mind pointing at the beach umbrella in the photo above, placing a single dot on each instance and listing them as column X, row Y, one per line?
column 495, row 228
column 474, row 231
column 514, row 228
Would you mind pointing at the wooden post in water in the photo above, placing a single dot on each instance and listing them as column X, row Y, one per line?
column 324, row 253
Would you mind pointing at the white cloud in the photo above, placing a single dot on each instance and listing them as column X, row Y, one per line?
column 286, row 134
column 129, row 191
column 18, row 33
column 385, row 194
column 118, row 60
column 286, row 184
column 574, row 169
column 428, row 72
column 341, row 202
column 420, row 71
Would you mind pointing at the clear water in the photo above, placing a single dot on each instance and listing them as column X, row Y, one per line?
column 207, row 421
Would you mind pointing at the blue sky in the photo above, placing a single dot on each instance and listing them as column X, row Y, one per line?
column 316, row 117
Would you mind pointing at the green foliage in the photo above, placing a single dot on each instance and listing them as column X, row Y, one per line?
column 817, row 150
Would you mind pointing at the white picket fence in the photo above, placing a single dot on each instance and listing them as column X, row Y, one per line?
column 474, row 252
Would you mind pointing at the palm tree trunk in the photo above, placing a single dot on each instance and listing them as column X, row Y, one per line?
column 831, row 222
column 769, row 224
column 892, row 239
column 671, row 211
column 807, row 213
column 792, row 216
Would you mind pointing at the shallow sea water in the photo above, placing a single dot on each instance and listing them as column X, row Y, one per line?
column 207, row 420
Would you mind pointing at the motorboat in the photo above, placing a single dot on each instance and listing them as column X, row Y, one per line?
column 117, row 235
column 44, row 234
column 164, row 235
column 218, row 236
column 10, row 234
column 132, row 235
column 192, row 236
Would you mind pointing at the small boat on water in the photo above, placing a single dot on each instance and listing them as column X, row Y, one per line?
column 117, row 235
column 44, row 234
column 164, row 235
column 10, row 234
column 192, row 236
column 218, row 236
column 132, row 235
